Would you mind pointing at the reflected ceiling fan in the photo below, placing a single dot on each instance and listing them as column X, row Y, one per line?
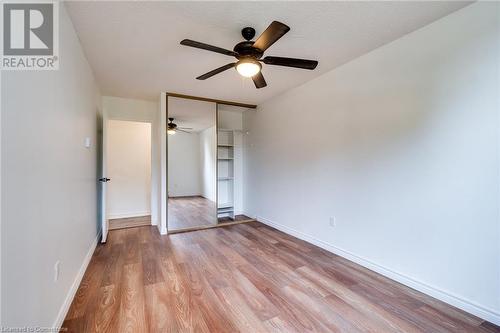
column 249, row 54
column 172, row 127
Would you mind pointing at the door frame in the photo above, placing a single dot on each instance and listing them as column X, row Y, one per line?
column 104, row 171
column 154, row 187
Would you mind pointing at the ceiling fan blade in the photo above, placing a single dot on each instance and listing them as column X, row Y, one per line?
column 199, row 45
column 215, row 71
column 258, row 80
column 185, row 128
column 183, row 131
column 274, row 31
column 291, row 62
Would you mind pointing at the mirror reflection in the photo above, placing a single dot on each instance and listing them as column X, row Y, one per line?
column 191, row 164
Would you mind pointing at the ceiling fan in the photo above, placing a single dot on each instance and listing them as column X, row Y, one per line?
column 249, row 54
column 172, row 127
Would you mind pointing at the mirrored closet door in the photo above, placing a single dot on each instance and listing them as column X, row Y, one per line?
column 192, row 163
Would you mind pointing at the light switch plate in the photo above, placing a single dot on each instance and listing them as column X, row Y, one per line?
column 57, row 267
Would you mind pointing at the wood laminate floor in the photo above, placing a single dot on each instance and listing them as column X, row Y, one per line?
column 245, row 278
column 189, row 212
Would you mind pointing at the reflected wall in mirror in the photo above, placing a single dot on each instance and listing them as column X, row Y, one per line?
column 230, row 155
column 192, row 147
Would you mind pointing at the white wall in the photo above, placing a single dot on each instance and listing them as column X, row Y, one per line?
column 207, row 162
column 230, row 119
column 401, row 146
column 49, row 185
column 184, row 168
column 129, row 167
column 118, row 108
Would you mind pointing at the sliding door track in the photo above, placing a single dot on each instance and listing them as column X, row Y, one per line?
column 224, row 224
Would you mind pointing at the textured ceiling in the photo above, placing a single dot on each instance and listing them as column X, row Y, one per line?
column 133, row 47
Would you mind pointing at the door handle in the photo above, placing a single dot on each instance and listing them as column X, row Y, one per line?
column 104, row 180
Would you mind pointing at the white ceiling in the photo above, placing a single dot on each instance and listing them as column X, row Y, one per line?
column 189, row 113
column 133, row 47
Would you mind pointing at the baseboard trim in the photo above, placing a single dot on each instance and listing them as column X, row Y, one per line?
column 447, row 297
column 253, row 217
column 76, row 283
column 126, row 215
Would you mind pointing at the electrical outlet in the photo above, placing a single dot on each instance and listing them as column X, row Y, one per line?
column 333, row 221
column 57, row 267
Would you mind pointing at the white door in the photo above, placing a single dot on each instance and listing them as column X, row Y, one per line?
column 103, row 180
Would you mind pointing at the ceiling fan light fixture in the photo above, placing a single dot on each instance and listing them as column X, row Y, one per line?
column 248, row 67
column 249, row 54
column 170, row 131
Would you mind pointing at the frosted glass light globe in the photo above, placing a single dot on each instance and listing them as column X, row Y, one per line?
column 248, row 68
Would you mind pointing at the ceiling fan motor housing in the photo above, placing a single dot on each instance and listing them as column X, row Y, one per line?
column 245, row 49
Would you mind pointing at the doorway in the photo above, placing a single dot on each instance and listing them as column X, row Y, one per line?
column 128, row 157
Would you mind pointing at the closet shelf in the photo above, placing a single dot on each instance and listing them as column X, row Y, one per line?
column 226, row 157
